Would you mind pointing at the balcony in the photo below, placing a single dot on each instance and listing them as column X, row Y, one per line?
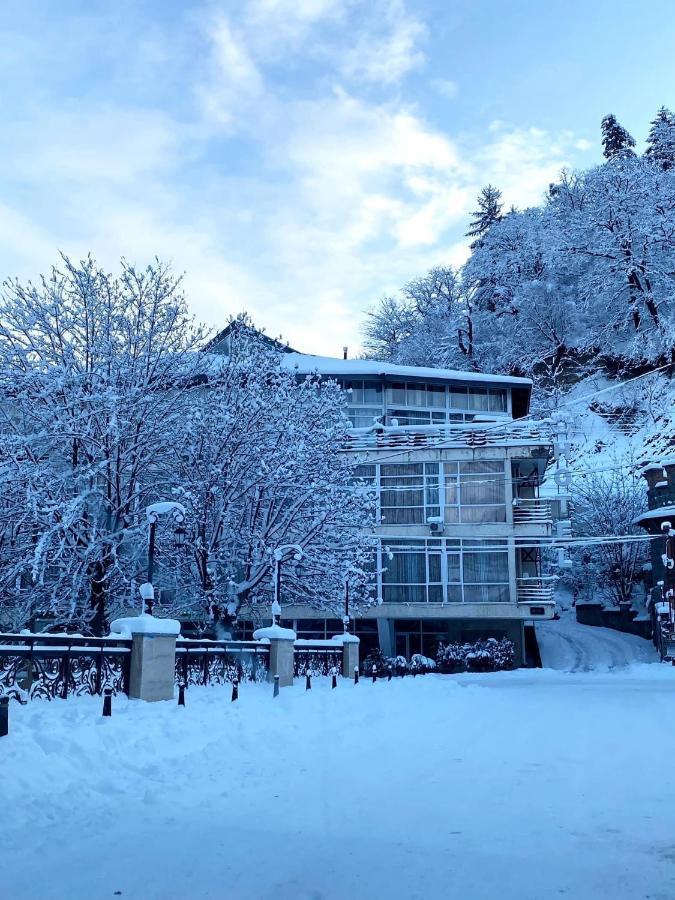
column 536, row 591
column 533, row 515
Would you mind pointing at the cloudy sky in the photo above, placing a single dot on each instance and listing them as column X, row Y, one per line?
column 301, row 158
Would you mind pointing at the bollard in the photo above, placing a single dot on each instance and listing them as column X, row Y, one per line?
column 4, row 716
column 334, row 681
column 374, row 670
column 181, row 693
column 356, row 674
column 388, row 673
column 107, row 702
column 308, row 683
column 235, row 689
column 276, row 685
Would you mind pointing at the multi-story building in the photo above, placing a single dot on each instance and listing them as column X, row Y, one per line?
column 456, row 464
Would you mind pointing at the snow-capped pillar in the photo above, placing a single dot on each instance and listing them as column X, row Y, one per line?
column 153, row 655
column 350, row 654
column 282, row 644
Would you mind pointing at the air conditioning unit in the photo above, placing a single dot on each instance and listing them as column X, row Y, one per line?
column 436, row 527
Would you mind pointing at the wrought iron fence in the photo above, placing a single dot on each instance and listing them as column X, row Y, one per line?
column 45, row 666
column 220, row 662
column 316, row 659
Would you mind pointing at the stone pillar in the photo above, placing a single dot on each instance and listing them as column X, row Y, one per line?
column 152, row 671
column 350, row 654
column 282, row 644
column 153, row 667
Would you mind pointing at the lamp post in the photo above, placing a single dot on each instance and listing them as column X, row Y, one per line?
column 279, row 553
column 152, row 514
column 345, row 618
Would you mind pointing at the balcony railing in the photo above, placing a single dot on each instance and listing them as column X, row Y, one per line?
column 532, row 512
column 537, row 589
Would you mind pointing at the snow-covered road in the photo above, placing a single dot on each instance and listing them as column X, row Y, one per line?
column 524, row 785
column 566, row 645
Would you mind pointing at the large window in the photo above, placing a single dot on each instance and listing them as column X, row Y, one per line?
column 411, row 403
column 475, row 492
column 411, row 572
column 409, row 493
column 452, row 571
column 485, row 571
column 364, row 402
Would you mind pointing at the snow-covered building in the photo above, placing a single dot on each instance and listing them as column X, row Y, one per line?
column 456, row 463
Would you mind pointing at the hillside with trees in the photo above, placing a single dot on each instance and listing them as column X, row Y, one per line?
column 577, row 293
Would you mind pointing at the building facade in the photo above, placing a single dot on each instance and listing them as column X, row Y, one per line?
column 456, row 465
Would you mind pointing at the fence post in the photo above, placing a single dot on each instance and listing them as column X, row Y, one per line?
column 153, row 655
column 350, row 654
column 4, row 716
column 281, row 641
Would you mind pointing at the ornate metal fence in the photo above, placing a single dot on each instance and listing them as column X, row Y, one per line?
column 44, row 666
column 220, row 662
column 315, row 659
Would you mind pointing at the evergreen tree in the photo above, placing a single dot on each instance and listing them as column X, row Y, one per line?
column 615, row 139
column 661, row 140
column 489, row 211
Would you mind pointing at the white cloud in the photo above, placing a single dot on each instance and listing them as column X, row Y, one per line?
column 386, row 57
column 234, row 80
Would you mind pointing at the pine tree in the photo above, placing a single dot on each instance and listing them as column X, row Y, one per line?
column 489, row 211
column 661, row 140
column 615, row 139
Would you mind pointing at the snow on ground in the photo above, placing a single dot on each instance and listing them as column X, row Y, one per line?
column 523, row 786
column 565, row 644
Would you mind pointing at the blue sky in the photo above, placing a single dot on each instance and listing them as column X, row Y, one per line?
column 301, row 158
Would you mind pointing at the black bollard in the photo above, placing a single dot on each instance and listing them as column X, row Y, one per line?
column 334, row 681
column 374, row 674
column 276, row 685
column 356, row 674
column 308, row 682
column 388, row 673
column 181, row 693
column 107, row 702
column 4, row 716
column 235, row 689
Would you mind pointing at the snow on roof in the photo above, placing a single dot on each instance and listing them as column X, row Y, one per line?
column 659, row 513
column 306, row 364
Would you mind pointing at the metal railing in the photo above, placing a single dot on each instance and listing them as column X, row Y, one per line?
column 532, row 512
column 202, row 662
column 316, row 659
column 537, row 589
column 45, row 666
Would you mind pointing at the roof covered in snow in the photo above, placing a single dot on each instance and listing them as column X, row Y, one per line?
column 307, row 364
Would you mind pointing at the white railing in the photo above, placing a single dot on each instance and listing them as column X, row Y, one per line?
column 536, row 589
column 532, row 512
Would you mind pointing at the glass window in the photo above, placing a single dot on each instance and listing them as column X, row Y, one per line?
column 478, row 398
column 497, row 400
column 458, row 398
column 436, row 395
column 409, row 493
column 372, row 392
column 396, row 393
column 475, row 492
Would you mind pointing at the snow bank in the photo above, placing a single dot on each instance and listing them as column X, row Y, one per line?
column 521, row 786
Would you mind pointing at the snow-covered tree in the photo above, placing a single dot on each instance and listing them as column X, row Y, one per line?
column 489, row 211
column 261, row 471
column 605, row 504
column 661, row 141
column 92, row 370
column 616, row 141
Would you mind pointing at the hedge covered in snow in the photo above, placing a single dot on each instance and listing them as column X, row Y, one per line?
column 490, row 655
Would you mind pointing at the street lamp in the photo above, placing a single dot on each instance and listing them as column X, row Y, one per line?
column 279, row 553
column 152, row 514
